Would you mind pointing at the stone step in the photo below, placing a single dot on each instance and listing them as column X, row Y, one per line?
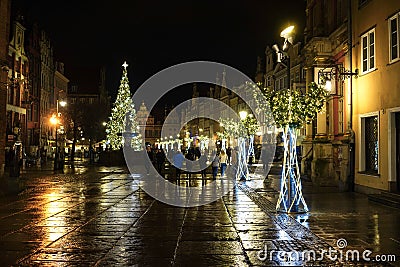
column 386, row 198
column 394, row 196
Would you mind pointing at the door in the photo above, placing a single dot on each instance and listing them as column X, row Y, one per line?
column 397, row 114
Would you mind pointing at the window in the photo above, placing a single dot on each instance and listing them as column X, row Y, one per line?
column 304, row 74
column 394, row 38
column 341, row 116
column 369, row 145
column 340, row 91
column 368, row 51
column 269, row 81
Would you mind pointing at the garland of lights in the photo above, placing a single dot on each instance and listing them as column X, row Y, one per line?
column 302, row 108
column 233, row 127
column 251, row 124
column 204, row 141
column 223, row 136
column 290, row 109
column 188, row 141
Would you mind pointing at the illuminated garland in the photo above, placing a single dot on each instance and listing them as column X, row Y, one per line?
column 233, row 128
column 222, row 135
column 291, row 107
column 251, row 124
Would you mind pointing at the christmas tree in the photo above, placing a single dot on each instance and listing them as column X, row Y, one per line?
column 122, row 128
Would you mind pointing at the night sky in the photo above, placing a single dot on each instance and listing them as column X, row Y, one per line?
column 152, row 35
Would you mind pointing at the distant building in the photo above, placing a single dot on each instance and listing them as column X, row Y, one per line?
column 152, row 127
column 88, row 111
column 83, row 98
column 201, row 126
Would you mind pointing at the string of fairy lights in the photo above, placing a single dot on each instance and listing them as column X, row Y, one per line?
column 123, row 118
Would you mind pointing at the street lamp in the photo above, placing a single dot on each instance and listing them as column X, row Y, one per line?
column 334, row 72
column 62, row 103
column 55, row 120
column 288, row 35
column 243, row 114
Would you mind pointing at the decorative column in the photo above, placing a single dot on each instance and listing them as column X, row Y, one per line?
column 251, row 147
column 242, row 172
column 290, row 197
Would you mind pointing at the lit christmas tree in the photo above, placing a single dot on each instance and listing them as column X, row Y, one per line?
column 122, row 128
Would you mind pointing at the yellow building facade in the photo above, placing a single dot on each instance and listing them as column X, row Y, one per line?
column 376, row 95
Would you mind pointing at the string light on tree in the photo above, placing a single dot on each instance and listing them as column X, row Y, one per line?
column 239, row 131
column 291, row 109
column 122, row 128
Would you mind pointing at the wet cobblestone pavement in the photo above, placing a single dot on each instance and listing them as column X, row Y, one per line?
column 99, row 217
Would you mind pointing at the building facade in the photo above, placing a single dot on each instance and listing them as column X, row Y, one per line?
column 201, row 126
column 85, row 115
column 158, row 131
column 353, row 45
column 147, row 125
column 329, row 139
column 33, row 115
column 5, row 12
column 376, row 94
column 17, row 92
column 46, row 89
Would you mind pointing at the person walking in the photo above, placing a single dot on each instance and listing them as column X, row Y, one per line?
column 215, row 165
column 223, row 159
column 234, row 161
column 203, row 166
column 178, row 162
column 190, row 156
column 229, row 154
column 160, row 158
column 150, row 160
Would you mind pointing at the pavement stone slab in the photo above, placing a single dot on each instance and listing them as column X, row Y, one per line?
column 102, row 218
